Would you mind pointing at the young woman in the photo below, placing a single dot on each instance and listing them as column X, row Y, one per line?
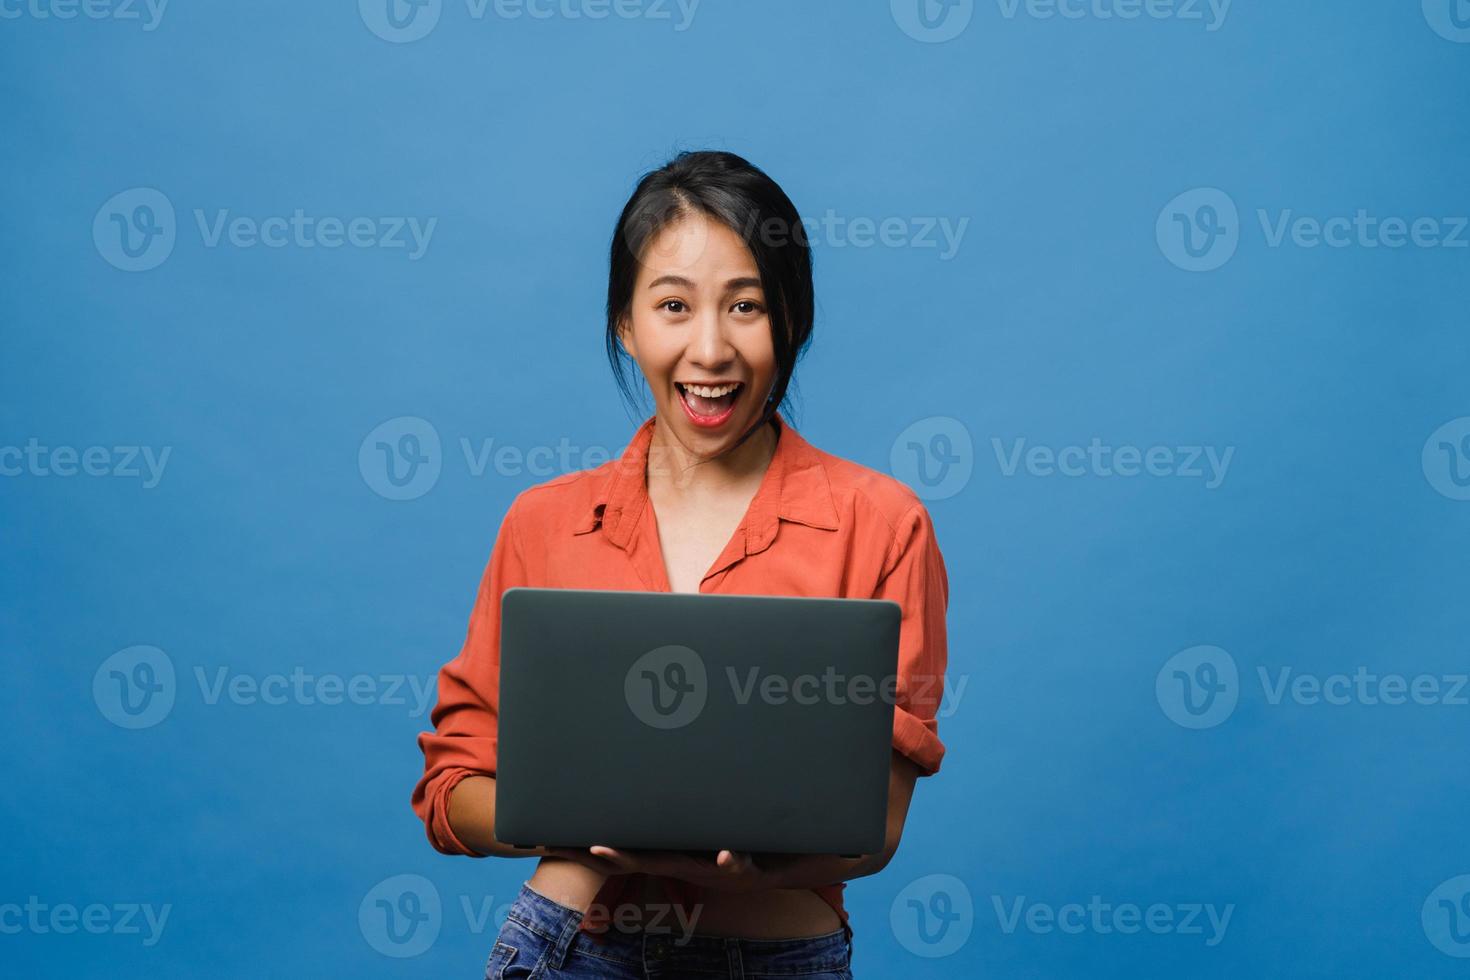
column 710, row 294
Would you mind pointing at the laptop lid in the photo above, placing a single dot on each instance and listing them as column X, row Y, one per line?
column 687, row 721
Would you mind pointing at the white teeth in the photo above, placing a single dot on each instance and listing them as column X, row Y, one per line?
column 704, row 392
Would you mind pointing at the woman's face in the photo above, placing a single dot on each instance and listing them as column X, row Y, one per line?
column 699, row 330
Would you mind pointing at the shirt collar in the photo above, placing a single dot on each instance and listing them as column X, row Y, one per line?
column 795, row 488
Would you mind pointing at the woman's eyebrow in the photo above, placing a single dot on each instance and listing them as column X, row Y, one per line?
column 741, row 282
column 671, row 280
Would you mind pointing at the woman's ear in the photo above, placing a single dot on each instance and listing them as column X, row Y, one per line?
column 625, row 337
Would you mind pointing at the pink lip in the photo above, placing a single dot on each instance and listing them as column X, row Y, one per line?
column 708, row 421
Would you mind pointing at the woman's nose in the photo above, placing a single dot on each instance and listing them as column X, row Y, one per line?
column 710, row 344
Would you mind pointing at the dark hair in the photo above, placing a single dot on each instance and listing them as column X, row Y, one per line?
column 744, row 199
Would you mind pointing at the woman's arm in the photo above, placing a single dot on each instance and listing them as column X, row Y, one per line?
column 457, row 788
column 472, row 818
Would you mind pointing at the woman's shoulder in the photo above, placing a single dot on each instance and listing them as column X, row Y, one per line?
column 568, row 499
column 867, row 493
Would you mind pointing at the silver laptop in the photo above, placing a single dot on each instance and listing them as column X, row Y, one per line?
column 686, row 721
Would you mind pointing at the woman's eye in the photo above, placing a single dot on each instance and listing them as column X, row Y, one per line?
column 674, row 305
column 747, row 306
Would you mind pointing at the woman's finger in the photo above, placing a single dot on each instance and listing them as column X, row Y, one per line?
column 623, row 860
column 734, row 862
column 585, row 858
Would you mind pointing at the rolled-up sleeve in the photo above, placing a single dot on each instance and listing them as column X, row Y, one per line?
column 916, row 579
column 465, row 719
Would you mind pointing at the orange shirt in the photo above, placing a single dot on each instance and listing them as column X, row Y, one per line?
column 818, row 525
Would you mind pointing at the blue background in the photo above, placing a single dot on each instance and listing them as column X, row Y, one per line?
column 266, row 548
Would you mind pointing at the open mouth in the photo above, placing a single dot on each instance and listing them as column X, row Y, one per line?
column 709, row 406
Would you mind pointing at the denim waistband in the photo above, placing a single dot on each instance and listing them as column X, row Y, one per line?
column 666, row 948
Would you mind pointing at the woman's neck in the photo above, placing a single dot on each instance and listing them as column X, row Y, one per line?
column 674, row 471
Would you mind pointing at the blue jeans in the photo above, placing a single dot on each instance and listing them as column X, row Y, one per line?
column 541, row 938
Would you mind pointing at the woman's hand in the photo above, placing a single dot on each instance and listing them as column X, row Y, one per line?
column 734, row 871
column 745, row 872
